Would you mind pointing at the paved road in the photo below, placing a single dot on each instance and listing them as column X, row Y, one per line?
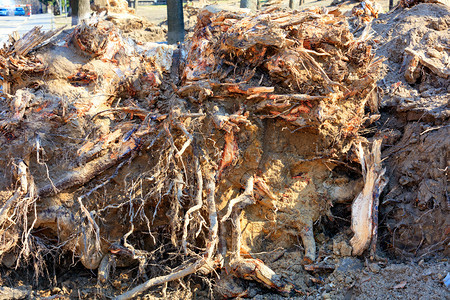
column 23, row 24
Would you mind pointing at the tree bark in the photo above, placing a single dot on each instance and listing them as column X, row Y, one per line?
column 80, row 10
column 251, row 4
column 175, row 21
column 293, row 4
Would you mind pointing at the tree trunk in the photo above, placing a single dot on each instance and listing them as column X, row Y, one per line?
column 293, row 4
column 80, row 10
column 252, row 4
column 175, row 21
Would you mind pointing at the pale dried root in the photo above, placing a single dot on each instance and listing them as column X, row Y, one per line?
column 246, row 198
column 91, row 252
column 198, row 203
column 307, row 235
column 104, row 269
column 85, row 173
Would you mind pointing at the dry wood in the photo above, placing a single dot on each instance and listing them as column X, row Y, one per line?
column 32, row 39
column 365, row 206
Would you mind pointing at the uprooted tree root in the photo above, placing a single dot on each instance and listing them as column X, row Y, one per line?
column 128, row 162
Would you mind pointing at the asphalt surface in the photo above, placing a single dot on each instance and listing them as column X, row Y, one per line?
column 8, row 24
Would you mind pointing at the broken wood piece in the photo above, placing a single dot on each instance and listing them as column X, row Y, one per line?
column 31, row 40
column 104, row 269
column 365, row 206
column 434, row 64
column 320, row 267
column 309, row 243
column 412, row 72
column 255, row 269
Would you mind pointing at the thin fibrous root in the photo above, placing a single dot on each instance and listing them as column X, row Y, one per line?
column 189, row 136
column 21, row 190
column 206, row 258
column 198, row 203
column 247, row 196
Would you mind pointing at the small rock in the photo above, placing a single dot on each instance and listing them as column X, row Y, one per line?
column 326, row 296
column 8, row 260
column 349, row 264
column 439, row 24
column 404, row 180
column 374, row 267
column 341, row 247
column 447, row 280
column 7, row 293
column 434, row 53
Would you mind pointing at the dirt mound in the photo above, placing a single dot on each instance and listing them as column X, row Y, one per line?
column 415, row 114
column 138, row 28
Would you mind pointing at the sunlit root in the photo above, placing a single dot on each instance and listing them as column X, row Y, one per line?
column 307, row 235
column 85, row 173
column 15, row 210
column 189, row 136
column 229, row 152
column 365, row 206
column 246, row 198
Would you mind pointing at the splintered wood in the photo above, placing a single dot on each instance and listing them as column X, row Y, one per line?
column 125, row 157
column 365, row 206
column 277, row 66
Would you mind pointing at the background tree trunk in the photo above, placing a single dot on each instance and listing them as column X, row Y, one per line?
column 80, row 10
column 252, row 4
column 175, row 21
column 293, row 4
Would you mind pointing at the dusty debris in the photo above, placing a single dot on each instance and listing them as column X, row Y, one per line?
column 7, row 293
